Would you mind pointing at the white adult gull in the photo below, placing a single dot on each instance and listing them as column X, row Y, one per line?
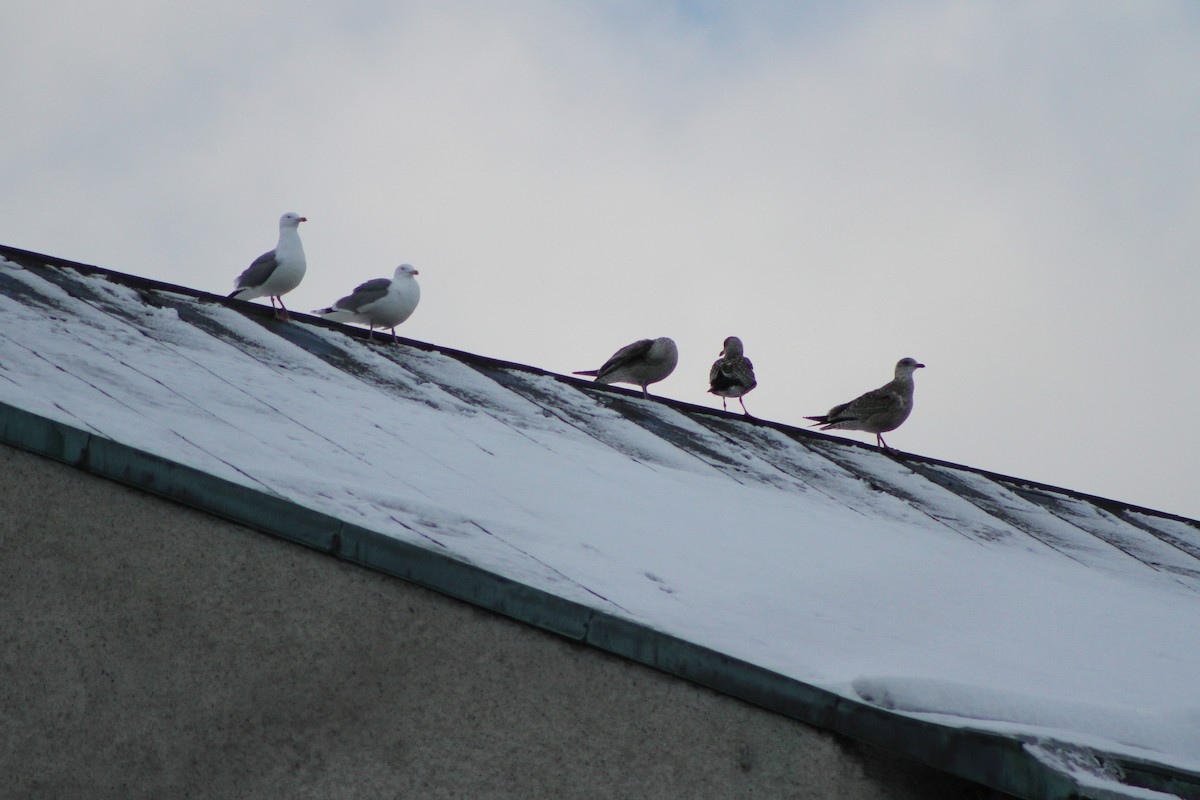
column 732, row 375
column 379, row 303
column 879, row 410
column 277, row 272
column 642, row 363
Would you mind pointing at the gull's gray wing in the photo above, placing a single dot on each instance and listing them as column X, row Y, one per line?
column 884, row 400
column 259, row 271
column 715, row 372
column 365, row 294
column 629, row 354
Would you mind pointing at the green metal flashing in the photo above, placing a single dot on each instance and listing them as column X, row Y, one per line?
column 994, row 760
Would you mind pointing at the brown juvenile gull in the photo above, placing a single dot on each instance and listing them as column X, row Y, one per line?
column 732, row 375
column 642, row 363
column 878, row 411
column 275, row 273
column 380, row 303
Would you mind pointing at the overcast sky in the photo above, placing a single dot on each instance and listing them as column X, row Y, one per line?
column 1008, row 191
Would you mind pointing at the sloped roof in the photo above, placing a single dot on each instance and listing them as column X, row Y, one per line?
column 1032, row 638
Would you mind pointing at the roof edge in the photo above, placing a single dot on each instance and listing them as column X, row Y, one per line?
column 28, row 257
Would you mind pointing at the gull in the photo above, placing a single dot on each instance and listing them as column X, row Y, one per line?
column 275, row 273
column 732, row 375
column 642, row 363
column 379, row 303
column 878, row 411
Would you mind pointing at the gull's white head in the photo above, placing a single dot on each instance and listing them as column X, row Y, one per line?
column 404, row 269
column 906, row 366
column 291, row 220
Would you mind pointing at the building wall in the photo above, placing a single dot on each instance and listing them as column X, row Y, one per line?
column 151, row 650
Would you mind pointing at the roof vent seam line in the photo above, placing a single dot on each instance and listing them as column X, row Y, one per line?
column 550, row 567
column 1127, row 519
column 907, row 501
column 556, row 414
column 1096, row 536
column 730, row 441
column 420, row 533
column 1012, row 523
column 265, row 487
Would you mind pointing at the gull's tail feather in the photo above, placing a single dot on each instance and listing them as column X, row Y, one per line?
column 335, row 314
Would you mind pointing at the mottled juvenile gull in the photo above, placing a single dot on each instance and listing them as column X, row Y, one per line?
column 642, row 363
column 379, row 303
column 732, row 375
column 878, row 411
column 277, row 272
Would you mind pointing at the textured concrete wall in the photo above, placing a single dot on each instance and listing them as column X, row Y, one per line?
column 149, row 650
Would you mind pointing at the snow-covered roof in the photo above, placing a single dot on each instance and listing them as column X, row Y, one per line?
column 1034, row 638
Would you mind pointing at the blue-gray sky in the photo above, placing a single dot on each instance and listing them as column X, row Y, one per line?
column 1007, row 191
